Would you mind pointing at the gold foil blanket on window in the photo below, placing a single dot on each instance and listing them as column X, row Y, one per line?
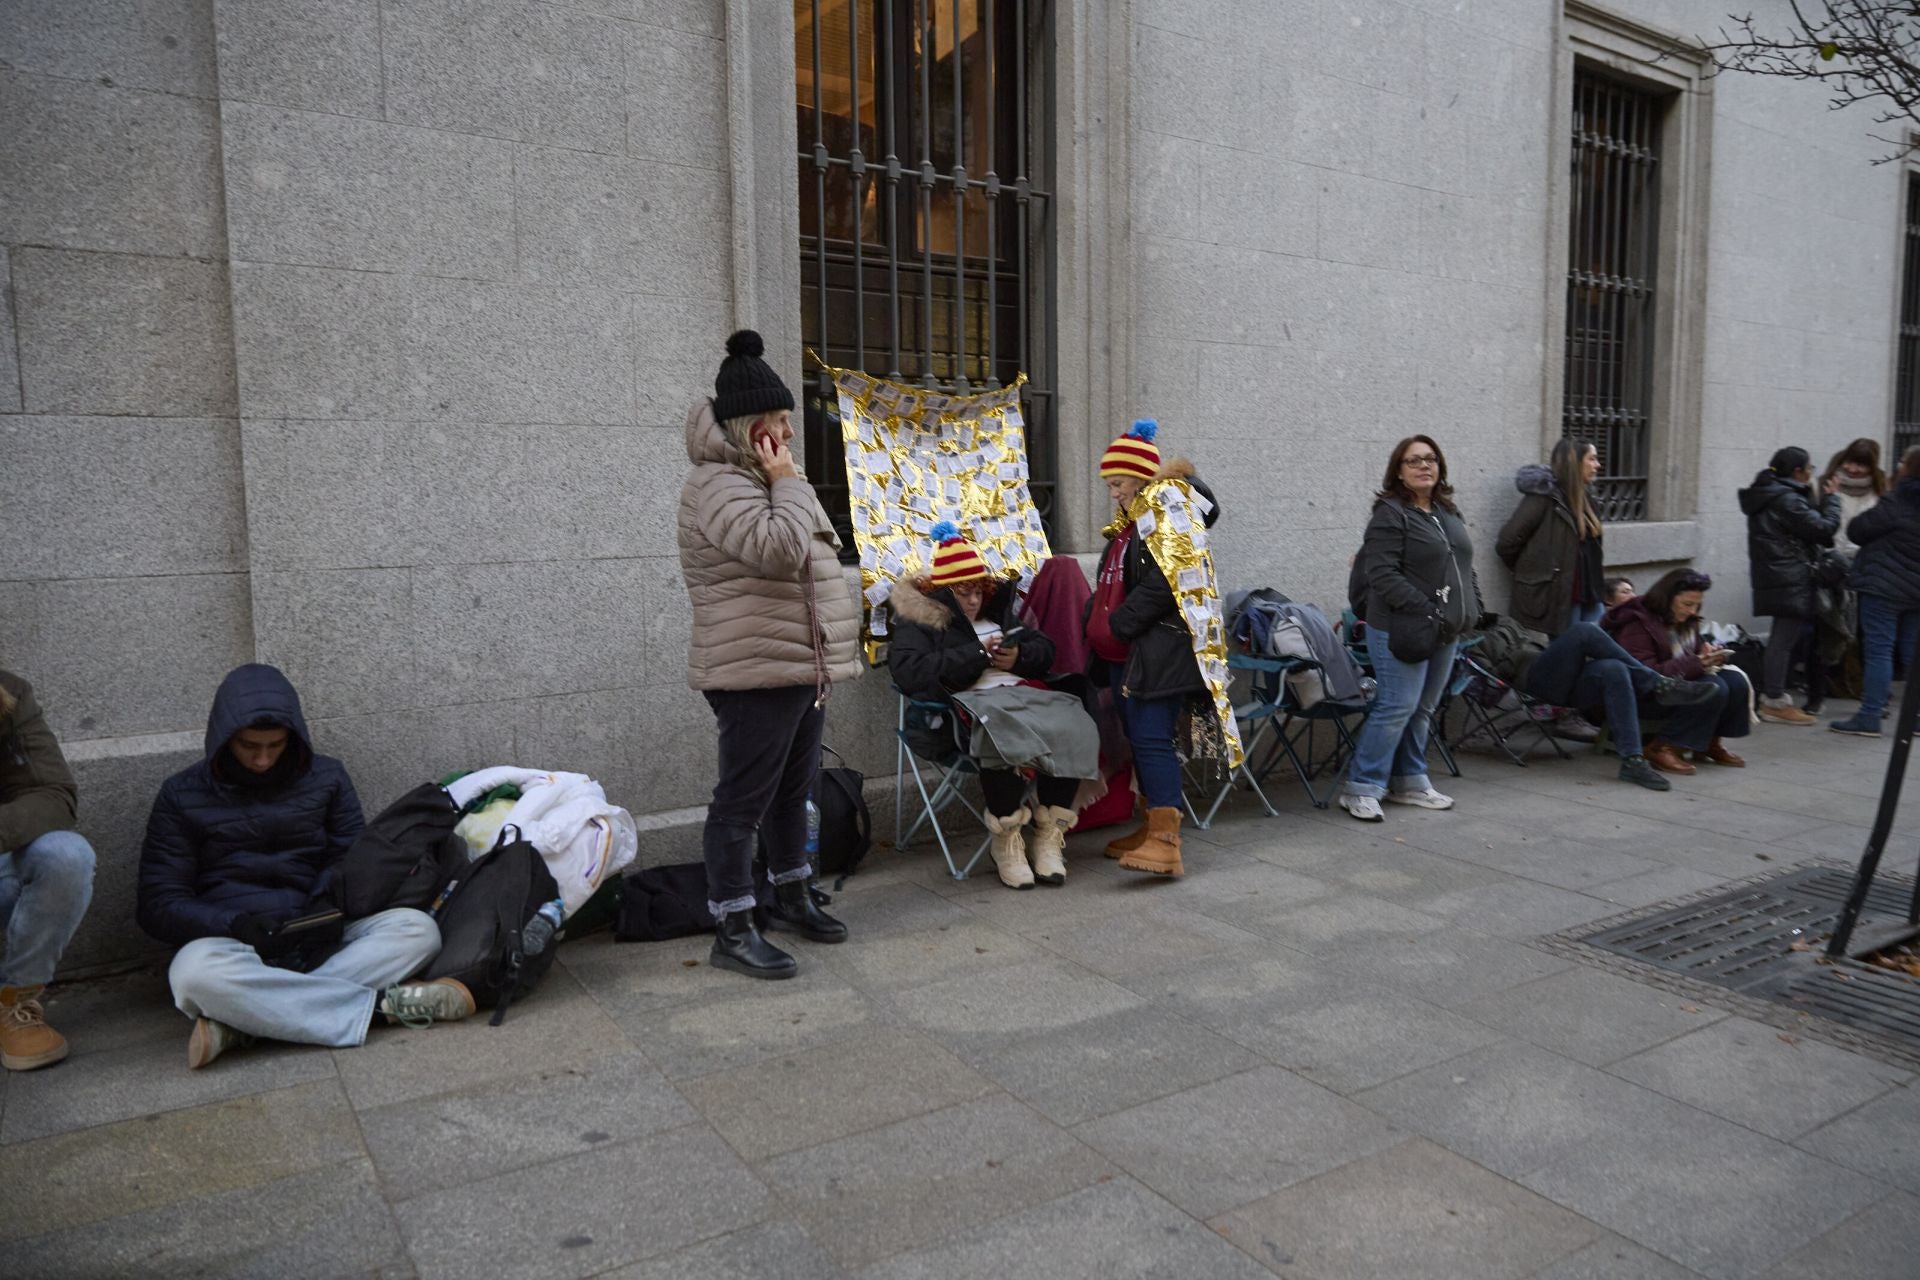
column 1170, row 517
column 917, row 456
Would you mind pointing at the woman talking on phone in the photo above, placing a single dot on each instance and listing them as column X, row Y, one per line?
column 774, row 626
column 1662, row 630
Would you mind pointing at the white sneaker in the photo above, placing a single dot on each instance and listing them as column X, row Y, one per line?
column 1365, row 808
column 1428, row 799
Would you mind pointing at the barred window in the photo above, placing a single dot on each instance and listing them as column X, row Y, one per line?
column 1610, row 325
column 1906, row 392
column 925, row 225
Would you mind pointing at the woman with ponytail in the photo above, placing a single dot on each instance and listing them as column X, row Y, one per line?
column 1553, row 542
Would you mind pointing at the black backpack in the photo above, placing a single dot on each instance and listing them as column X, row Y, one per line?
column 403, row 858
column 482, row 919
column 846, row 827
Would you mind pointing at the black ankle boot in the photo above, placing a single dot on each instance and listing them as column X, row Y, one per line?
column 738, row 946
column 794, row 910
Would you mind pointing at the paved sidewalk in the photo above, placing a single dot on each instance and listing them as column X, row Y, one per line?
column 1330, row 1051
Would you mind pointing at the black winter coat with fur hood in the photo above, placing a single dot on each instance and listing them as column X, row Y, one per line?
column 935, row 652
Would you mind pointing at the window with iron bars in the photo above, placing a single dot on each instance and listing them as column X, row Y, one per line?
column 924, row 222
column 1613, row 217
column 1906, row 390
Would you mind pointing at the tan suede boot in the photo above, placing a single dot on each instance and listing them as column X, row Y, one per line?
column 1050, row 827
column 26, row 1041
column 1159, row 853
column 1009, row 848
column 1135, row 838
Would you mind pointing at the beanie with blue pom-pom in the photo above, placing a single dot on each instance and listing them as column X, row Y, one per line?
column 1133, row 454
column 955, row 560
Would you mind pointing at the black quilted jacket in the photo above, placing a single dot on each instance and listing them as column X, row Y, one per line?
column 222, row 843
column 1888, row 564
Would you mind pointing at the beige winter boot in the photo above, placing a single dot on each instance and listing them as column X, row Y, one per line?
column 1010, row 848
column 1160, row 854
column 26, row 1041
column 1050, row 827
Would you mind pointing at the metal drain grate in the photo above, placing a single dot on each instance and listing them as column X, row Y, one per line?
column 1741, row 941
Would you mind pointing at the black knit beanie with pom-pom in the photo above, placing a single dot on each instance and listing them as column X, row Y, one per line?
column 747, row 386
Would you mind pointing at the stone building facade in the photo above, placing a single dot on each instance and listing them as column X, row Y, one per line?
column 355, row 335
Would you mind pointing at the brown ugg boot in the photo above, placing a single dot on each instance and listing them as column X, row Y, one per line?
column 26, row 1041
column 1135, row 838
column 1159, row 853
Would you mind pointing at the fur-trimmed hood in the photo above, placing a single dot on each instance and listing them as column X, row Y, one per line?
column 935, row 611
column 1174, row 469
column 1536, row 480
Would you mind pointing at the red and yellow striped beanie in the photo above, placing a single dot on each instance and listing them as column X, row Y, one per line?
column 955, row 560
column 1133, row 454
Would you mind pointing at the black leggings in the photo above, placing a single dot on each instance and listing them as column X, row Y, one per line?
column 1004, row 789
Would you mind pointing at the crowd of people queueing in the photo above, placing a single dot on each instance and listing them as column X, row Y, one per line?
column 244, row 841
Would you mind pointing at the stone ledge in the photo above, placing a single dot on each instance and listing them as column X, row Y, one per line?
column 1654, row 542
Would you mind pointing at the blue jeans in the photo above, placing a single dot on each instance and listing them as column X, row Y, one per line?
column 225, row 979
column 1588, row 613
column 1585, row 667
column 1883, row 630
column 1150, row 724
column 1392, row 746
column 44, row 892
column 1729, row 714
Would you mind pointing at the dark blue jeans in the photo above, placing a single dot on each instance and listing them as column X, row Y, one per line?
column 1729, row 714
column 1585, row 667
column 1150, row 723
column 1884, row 630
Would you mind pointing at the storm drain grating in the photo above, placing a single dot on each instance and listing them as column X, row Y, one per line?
column 1760, row 943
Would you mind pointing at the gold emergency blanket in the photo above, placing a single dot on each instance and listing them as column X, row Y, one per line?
column 1170, row 517
column 915, row 457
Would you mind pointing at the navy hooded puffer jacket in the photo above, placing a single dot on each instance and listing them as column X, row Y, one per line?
column 222, row 843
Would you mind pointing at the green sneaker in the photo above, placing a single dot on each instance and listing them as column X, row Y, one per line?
column 421, row 1004
column 210, row 1039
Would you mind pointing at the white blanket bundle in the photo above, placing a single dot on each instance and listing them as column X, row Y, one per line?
column 566, row 816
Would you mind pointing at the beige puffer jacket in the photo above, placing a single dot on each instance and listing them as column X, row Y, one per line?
column 744, row 550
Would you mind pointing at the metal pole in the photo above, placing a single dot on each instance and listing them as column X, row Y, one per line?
column 959, row 210
column 857, row 163
column 926, row 189
column 1882, row 821
column 993, row 193
column 890, row 109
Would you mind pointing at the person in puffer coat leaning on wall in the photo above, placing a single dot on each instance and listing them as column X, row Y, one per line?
column 774, row 626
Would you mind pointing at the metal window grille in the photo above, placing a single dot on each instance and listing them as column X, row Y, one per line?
column 1610, row 286
column 1906, row 392
column 924, row 230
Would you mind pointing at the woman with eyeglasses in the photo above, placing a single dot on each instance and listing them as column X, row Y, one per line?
column 1420, row 595
column 1662, row 630
column 1552, row 542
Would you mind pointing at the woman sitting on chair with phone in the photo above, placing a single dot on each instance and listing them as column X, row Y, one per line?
column 1662, row 629
column 955, row 639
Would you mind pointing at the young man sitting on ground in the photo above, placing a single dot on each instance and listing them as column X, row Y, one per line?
column 238, row 848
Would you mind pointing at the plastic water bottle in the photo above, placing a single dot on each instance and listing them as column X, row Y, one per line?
column 813, row 833
column 540, row 930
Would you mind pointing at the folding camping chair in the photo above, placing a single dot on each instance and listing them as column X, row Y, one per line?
column 1256, row 721
column 931, row 732
column 1295, row 734
column 1494, row 707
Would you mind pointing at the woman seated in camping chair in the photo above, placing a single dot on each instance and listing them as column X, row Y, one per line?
column 955, row 639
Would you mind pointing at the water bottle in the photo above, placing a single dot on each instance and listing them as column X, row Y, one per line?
column 540, row 930
column 813, row 833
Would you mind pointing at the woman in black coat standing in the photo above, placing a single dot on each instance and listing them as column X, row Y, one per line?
column 1786, row 528
column 1886, row 576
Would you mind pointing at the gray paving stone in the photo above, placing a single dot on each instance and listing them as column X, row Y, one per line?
column 1765, row 1079
column 1712, row 1196
column 292, row 54
column 882, row 908
column 532, row 72
column 1611, row 1258
column 1514, row 1108
column 1517, row 908
column 1881, row 1139
column 896, row 1188
column 770, row 1251
column 1411, row 1211
column 1362, row 1038
column 1002, row 1005
column 1656, row 886
column 102, row 1014
column 1216, row 1146
column 1542, row 857
column 937, row 953
column 114, row 170
column 104, row 333
column 752, row 1022
column 1111, row 1063
column 9, row 343
column 315, row 1225
column 1590, row 1016
column 803, row 1100
column 1410, row 877
column 1450, row 968
column 686, row 1184
column 191, row 518
column 1155, row 938
column 164, row 45
column 325, row 190
column 1331, row 923
column 428, row 1144
column 147, row 1079
column 153, row 1161
column 1880, row 1243
column 1110, row 1231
